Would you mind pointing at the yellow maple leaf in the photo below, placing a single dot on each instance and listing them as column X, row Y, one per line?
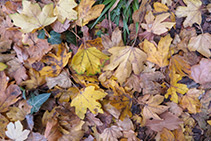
column 156, row 25
column 87, row 13
column 32, row 17
column 87, row 99
column 64, row 9
column 175, row 87
column 158, row 55
column 201, row 43
column 191, row 101
column 125, row 60
column 152, row 107
column 55, row 61
column 192, row 12
column 89, row 60
column 209, row 122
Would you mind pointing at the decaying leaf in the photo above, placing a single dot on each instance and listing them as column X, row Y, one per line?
column 191, row 101
column 32, row 17
column 191, row 12
column 3, row 122
column 125, row 60
column 64, row 9
column 156, row 24
column 201, row 43
column 87, row 99
column 88, row 60
column 158, row 55
column 87, row 13
column 16, row 132
column 111, row 134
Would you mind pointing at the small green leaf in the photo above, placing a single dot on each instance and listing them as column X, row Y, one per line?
column 37, row 101
column 55, row 38
column 41, row 34
column 2, row 66
column 70, row 37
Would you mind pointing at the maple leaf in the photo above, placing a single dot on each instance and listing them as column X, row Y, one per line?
column 87, row 99
column 32, row 17
column 87, row 13
column 158, row 55
column 191, row 101
column 201, row 43
column 192, row 12
column 152, row 107
column 64, row 10
column 175, row 87
column 8, row 95
column 35, row 80
column 156, row 24
column 125, row 60
column 201, row 72
column 111, row 134
column 88, row 60
column 15, row 131
column 55, row 61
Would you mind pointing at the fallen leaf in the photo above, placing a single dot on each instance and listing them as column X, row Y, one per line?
column 175, row 87
column 8, row 95
column 209, row 122
column 88, row 97
column 152, row 107
column 201, row 72
column 166, row 134
column 32, row 17
column 158, row 54
column 64, row 10
column 55, row 60
column 174, row 108
column 111, row 134
column 156, row 24
column 191, row 101
column 191, row 12
column 59, row 27
column 61, row 80
column 125, row 60
column 3, row 122
column 16, row 132
column 88, row 60
column 2, row 66
column 15, row 114
column 87, row 13
column 201, row 43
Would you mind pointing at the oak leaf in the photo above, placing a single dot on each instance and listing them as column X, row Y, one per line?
column 125, row 60
column 201, row 43
column 16, row 132
column 158, row 55
column 55, row 61
column 64, row 10
column 152, row 107
column 32, row 17
column 191, row 101
column 88, row 60
column 192, row 12
column 8, row 95
column 175, row 87
column 87, row 13
column 87, row 99
column 156, row 24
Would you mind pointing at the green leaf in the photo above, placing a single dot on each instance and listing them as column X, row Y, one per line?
column 2, row 66
column 41, row 34
column 37, row 101
column 70, row 37
column 55, row 38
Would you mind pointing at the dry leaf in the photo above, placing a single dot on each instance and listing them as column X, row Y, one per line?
column 3, row 122
column 201, row 43
column 111, row 134
column 88, row 97
column 125, row 60
column 191, row 12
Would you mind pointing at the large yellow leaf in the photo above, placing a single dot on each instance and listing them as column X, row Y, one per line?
column 64, row 9
column 88, row 60
column 191, row 101
column 87, row 13
column 192, row 12
column 87, row 99
column 175, row 87
column 32, row 17
column 156, row 24
column 201, row 43
column 158, row 55
column 125, row 60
